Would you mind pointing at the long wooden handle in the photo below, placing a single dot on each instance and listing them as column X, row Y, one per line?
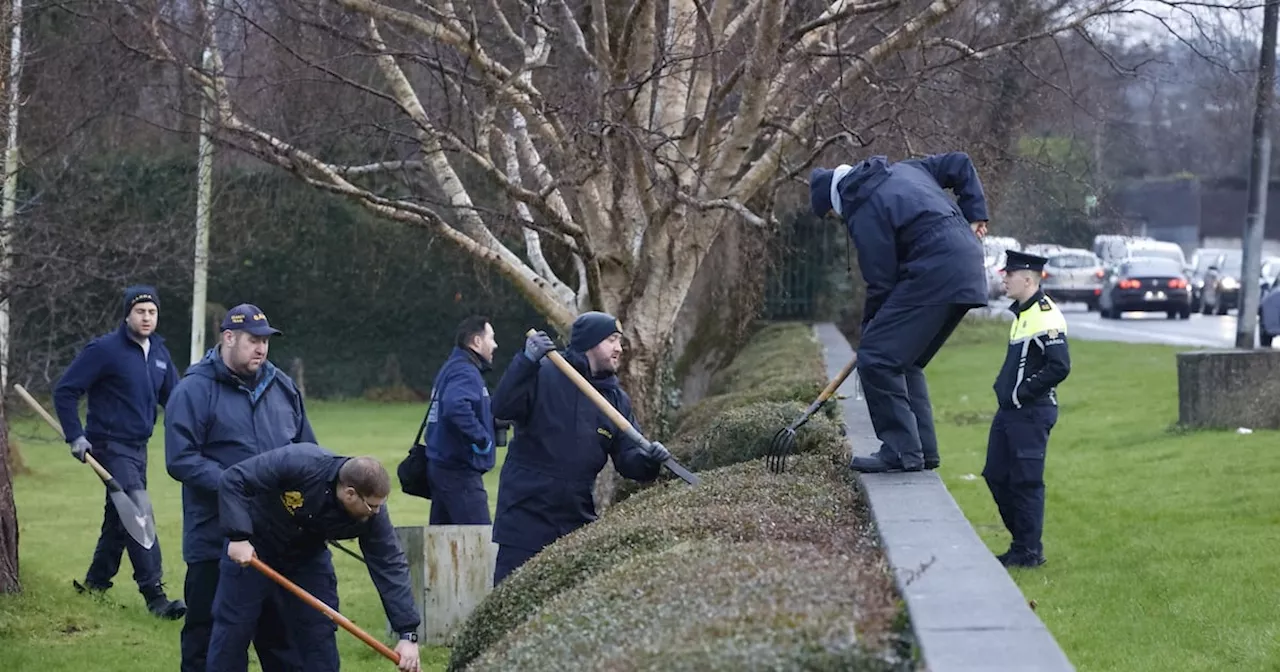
column 835, row 383
column 594, row 395
column 35, row 405
column 326, row 610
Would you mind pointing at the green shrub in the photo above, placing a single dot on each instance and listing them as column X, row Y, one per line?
column 779, row 355
column 812, row 503
column 708, row 605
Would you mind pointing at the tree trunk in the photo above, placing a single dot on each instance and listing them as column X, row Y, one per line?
column 9, row 582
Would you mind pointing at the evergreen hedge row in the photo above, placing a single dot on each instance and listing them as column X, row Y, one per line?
column 749, row 570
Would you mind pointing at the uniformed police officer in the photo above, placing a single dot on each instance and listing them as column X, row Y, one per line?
column 282, row 506
column 921, row 258
column 1036, row 362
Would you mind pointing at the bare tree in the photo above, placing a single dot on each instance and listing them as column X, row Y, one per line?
column 623, row 140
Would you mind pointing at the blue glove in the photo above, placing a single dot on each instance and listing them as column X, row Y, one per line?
column 656, row 452
column 79, row 447
column 538, row 345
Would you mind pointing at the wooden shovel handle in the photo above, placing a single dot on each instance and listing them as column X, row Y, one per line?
column 594, row 395
column 835, row 383
column 35, row 405
column 326, row 610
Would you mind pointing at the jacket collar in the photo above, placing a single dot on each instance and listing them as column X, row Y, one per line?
column 123, row 332
column 1019, row 308
column 604, row 381
column 471, row 356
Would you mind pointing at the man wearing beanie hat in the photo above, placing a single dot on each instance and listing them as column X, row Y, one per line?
column 562, row 440
column 126, row 374
column 923, row 265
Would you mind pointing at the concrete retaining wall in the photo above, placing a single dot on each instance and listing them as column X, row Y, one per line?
column 966, row 612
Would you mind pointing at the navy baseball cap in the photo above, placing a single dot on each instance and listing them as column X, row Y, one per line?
column 250, row 318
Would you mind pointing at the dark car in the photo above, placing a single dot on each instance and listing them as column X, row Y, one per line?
column 1147, row 285
column 1222, row 285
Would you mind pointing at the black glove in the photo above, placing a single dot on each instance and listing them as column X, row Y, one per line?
column 79, row 447
column 501, row 432
column 538, row 345
column 656, row 452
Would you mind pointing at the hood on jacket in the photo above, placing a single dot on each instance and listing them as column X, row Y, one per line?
column 855, row 183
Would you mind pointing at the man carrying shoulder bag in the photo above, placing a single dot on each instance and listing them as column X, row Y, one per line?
column 460, row 433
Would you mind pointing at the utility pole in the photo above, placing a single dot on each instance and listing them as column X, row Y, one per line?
column 1259, row 181
column 204, row 194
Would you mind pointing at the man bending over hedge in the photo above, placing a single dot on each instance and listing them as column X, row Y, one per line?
column 561, row 440
column 923, row 265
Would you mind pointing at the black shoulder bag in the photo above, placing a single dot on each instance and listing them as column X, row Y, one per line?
column 413, row 468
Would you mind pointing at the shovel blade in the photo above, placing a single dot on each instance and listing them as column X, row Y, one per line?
column 137, row 521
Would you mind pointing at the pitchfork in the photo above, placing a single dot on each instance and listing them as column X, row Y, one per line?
column 785, row 439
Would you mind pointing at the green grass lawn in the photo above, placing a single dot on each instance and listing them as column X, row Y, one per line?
column 1162, row 545
column 50, row 628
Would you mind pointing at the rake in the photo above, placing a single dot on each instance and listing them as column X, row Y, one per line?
column 785, row 439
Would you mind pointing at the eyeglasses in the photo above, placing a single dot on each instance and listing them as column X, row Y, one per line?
column 373, row 510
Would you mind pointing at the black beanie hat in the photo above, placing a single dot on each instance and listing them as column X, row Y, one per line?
column 591, row 328
column 140, row 294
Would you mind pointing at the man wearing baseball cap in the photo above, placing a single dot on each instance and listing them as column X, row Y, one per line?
column 126, row 374
column 562, row 440
column 232, row 405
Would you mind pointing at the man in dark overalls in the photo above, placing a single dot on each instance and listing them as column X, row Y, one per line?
column 922, row 260
column 562, row 440
column 1036, row 362
column 127, row 374
column 282, row 506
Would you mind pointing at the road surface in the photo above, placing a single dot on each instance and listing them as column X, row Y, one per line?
column 1212, row 331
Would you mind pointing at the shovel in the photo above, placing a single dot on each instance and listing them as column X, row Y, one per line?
column 134, row 509
column 785, row 439
column 607, row 408
column 325, row 609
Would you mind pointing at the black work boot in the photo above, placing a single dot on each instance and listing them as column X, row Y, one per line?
column 932, row 461
column 89, row 587
column 876, row 465
column 1023, row 560
column 162, row 606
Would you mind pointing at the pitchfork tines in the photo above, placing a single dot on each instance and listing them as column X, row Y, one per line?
column 784, row 441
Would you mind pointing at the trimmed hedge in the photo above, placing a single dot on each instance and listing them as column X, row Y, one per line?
column 750, row 570
column 813, row 503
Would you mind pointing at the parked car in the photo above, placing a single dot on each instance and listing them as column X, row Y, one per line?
column 1043, row 249
column 1221, row 291
column 1201, row 260
column 1146, row 284
column 1112, row 248
column 1156, row 248
column 1073, row 275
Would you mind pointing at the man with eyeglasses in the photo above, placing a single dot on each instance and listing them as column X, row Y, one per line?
column 282, row 506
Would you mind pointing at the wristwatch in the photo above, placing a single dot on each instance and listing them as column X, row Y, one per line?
column 409, row 637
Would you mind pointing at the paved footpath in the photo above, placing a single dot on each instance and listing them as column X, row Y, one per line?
column 966, row 612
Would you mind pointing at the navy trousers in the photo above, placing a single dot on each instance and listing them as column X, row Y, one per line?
column 247, row 600
column 1014, row 472
column 458, row 496
column 896, row 346
column 128, row 465
column 271, row 640
column 509, row 560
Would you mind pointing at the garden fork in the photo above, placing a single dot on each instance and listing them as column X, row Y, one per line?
column 785, row 439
